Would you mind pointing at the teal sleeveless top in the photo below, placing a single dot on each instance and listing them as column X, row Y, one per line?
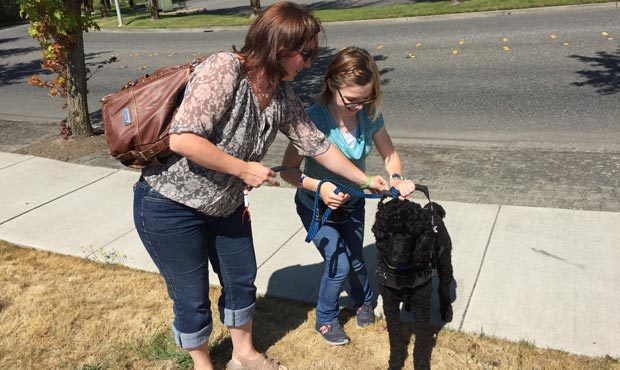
column 356, row 153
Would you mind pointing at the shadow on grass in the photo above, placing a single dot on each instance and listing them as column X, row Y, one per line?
column 161, row 346
column 274, row 318
column 301, row 284
column 604, row 74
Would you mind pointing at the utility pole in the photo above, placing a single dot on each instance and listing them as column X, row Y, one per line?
column 118, row 13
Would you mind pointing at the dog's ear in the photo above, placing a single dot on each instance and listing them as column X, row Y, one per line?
column 437, row 208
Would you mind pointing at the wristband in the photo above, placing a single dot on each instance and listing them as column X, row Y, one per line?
column 301, row 180
column 366, row 185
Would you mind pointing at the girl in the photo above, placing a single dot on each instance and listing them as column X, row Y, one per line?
column 348, row 113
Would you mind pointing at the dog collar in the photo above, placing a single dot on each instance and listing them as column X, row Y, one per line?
column 405, row 268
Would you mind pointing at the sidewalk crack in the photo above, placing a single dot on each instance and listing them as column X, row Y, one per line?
column 58, row 197
column 16, row 163
column 282, row 246
column 486, row 248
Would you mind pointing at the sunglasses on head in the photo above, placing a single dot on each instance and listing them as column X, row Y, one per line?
column 353, row 105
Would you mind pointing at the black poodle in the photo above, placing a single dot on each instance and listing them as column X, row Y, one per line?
column 413, row 245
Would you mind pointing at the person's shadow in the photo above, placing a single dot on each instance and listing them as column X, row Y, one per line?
column 296, row 289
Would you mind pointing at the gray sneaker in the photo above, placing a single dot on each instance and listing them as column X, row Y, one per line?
column 364, row 315
column 332, row 333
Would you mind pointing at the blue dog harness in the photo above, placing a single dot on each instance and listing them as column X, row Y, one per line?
column 318, row 221
column 411, row 276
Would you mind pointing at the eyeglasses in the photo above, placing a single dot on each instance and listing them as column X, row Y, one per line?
column 308, row 55
column 353, row 105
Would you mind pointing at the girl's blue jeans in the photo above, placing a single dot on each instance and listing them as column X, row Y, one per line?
column 181, row 241
column 341, row 246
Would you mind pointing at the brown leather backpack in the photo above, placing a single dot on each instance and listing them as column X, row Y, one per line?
column 136, row 119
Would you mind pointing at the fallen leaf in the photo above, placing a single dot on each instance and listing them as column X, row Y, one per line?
column 411, row 55
column 610, row 38
column 455, row 52
column 604, row 33
column 123, row 67
column 505, row 39
column 505, row 48
column 565, row 43
column 461, row 42
column 150, row 55
column 379, row 47
column 418, row 45
column 553, row 36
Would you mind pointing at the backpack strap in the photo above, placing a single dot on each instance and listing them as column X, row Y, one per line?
column 146, row 155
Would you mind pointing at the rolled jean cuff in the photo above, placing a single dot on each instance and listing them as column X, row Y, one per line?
column 192, row 340
column 240, row 317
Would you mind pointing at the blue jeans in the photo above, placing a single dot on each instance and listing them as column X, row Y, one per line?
column 181, row 241
column 341, row 246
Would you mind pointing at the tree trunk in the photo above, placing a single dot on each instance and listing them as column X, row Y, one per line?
column 107, row 3
column 88, row 6
column 103, row 9
column 154, row 9
column 77, row 104
column 256, row 9
column 132, row 4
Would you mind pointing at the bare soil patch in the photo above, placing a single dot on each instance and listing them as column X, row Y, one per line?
column 68, row 150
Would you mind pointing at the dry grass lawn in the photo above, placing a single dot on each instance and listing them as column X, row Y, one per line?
column 59, row 312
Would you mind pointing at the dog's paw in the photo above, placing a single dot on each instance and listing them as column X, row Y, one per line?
column 445, row 309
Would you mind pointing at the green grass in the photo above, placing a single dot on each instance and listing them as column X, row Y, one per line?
column 142, row 20
column 161, row 346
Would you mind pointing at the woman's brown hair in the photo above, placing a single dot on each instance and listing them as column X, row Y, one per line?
column 353, row 66
column 283, row 28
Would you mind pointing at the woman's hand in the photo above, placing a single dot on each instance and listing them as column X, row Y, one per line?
column 255, row 174
column 330, row 198
column 378, row 184
column 404, row 187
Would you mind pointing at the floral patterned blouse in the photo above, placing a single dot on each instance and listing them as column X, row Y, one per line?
column 219, row 105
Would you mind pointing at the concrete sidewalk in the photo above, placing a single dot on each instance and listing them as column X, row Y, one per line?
column 546, row 276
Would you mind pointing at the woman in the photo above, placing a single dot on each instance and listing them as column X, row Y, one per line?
column 348, row 113
column 189, row 209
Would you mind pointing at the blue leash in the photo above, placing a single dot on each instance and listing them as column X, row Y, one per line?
column 318, row 222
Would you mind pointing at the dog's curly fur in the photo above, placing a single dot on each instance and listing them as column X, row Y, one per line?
column 404, row 236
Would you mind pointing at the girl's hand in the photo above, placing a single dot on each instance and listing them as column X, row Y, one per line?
column 331, row 199
column 378, row 184
column 255, row 174
column 404, row 187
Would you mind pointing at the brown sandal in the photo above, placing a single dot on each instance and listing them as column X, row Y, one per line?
column 262, row 362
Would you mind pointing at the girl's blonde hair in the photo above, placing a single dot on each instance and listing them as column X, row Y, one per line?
column 353, row 66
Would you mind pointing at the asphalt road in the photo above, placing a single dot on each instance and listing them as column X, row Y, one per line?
column 540, row 92
column 536, row 125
